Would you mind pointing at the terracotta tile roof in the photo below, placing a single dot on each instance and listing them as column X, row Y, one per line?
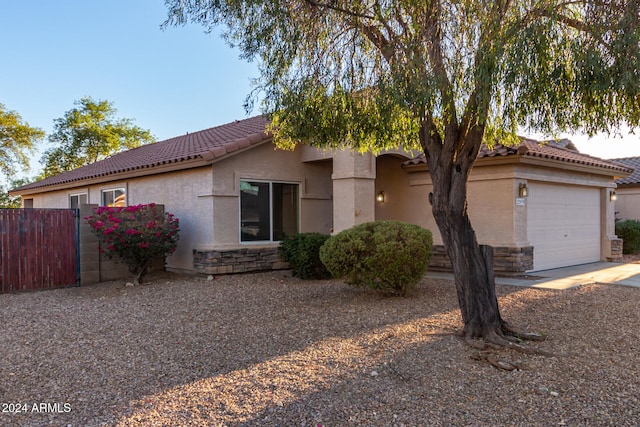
column 634, row 163
column 562, row 150
column 211, row 144
column 206, row 145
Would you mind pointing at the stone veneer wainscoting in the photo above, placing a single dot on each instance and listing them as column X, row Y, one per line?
column 237, row 260
column 616, row 250
column 506, row 260
column 226, row 261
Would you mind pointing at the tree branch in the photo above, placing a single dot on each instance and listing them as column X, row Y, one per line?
column 556, row 14
column 315, row 3
column 376, row 37
column 430, row 139
column 401, row 21
column 471, row 131
column 433, row 36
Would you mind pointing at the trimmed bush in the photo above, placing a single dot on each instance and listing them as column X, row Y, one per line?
column 629, row 231
column 302, row 252
column 391, row 256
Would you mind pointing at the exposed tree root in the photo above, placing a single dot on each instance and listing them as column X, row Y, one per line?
column 508, row 331
column 489, row 357
column 493, row 342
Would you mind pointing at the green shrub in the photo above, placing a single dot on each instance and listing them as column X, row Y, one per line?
column 629, row 231
column 302, row 252
column 391, row 256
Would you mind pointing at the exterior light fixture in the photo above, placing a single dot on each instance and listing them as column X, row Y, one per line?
column 523, row 191
column 380, row 197
column 613, row 196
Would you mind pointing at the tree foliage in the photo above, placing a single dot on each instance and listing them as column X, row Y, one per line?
column 89, row 133
column 370, row 73
column 7, row 200
column 441, row 75
column 17, row 141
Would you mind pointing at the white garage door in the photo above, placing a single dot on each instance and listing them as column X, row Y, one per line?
column 563, row 225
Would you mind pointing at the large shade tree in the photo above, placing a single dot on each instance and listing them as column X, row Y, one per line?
column 88, row 133
column 442, row 76
column 17, row 141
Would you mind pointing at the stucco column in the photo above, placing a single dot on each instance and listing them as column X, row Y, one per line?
column 520, row 237
column 353, row 178
column 608, row 227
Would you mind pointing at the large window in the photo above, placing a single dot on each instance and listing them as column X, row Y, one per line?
column 75, row 200
column 114, row 197
column 268, row 211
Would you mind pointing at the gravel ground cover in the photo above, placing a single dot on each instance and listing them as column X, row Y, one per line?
column 271, row 350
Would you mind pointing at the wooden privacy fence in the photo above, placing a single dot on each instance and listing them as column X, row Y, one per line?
column 38, row 249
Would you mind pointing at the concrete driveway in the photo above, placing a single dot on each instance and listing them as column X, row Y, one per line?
column 569, row 277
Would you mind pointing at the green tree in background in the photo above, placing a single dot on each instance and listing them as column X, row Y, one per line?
column 17, row 141
column 8, row 201
column 441, row 76
column 88, row 133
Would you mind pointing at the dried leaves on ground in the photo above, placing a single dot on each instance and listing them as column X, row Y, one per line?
column 270, row 350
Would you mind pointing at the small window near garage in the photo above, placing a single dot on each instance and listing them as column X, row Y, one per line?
column 114, row 198
column 75, row 200
column 27, row 203
column 269, row 211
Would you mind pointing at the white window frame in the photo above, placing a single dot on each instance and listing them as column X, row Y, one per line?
column 86, row 193
column 270, row 182
column 102, row 192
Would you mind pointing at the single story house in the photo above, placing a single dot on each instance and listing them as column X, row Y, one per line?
column 628, row 191
column 540, row 205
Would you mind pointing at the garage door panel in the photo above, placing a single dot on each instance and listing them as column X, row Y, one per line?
column 563, row 225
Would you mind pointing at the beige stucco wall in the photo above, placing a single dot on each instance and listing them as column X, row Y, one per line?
column 206, row 199
column 491, row 199
column 337, row 191
column 628, row 204
column 268, row 163
column 401, row 200
column 186, row 194
column 498, row 217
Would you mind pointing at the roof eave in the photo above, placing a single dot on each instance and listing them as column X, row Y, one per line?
column 537, row 161
column 210, row 157
column 573, row 166
column 117, row 176
column 480, row 162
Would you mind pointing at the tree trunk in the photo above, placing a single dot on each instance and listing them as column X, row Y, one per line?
column 473, row 278
column 474, row 282
column 139, row 273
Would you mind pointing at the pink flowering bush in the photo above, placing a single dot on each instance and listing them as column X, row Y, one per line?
column 137, row 235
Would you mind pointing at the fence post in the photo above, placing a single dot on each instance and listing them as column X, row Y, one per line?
column 89, row 254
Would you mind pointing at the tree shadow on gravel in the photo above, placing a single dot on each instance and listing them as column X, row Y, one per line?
column 403, row 380
column 235, row 349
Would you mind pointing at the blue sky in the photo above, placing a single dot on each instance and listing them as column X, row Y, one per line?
column 170, row 81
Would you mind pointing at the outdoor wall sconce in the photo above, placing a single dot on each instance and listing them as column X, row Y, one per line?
column 523, row 191
column 613, row 196
column 380, row 197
